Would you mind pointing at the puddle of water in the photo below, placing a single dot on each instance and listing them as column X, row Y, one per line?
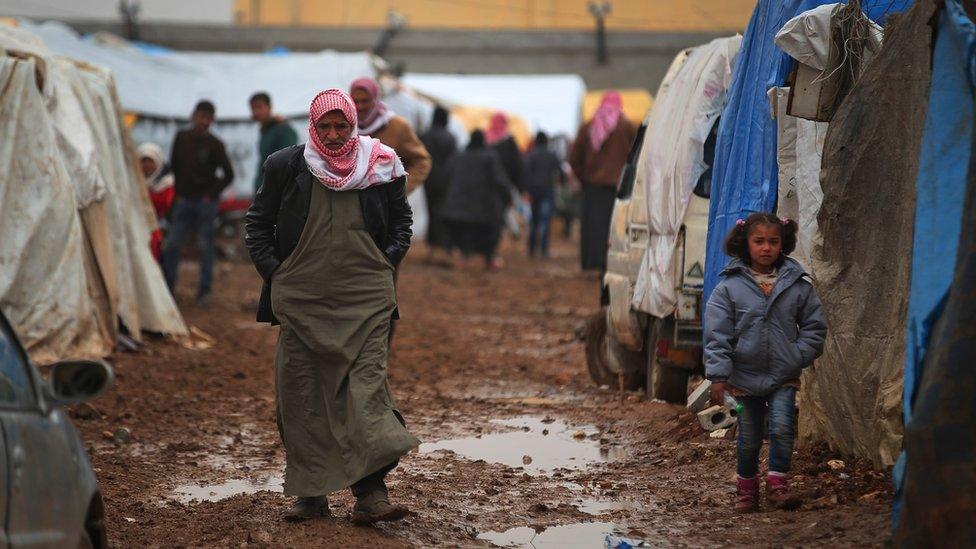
column 596, row 507
column 216, row 492
column 583, row 534
column 548, row 446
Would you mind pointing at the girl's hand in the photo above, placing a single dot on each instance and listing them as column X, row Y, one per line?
column 716, row 392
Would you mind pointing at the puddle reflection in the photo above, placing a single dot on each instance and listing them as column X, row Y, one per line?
column 223, row 490
column 584, row 534
column 539, row 446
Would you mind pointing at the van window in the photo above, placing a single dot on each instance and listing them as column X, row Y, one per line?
column 704, row 186
column 629, row 173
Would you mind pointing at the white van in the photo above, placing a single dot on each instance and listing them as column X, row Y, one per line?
column 650, row 331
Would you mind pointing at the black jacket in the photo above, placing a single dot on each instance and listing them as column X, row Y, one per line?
column 479, row 189
column 276, row 218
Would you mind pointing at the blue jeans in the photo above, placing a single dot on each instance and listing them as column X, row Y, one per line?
column 191, row 217
column 542, row 209
column 780, row 405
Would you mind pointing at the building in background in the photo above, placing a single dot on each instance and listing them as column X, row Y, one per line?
column 210, row 12
column 540, row 15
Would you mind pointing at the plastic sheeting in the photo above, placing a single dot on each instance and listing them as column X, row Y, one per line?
column 549, row 102
column 799, row 148
column 43, row 284
column 169, row 85
column 940, row 482
column 745, row 172
column 941, row 189
column 941, row 184
column 851, row 396
column 674, row 150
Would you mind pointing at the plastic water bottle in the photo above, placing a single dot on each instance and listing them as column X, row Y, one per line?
column 734, row 405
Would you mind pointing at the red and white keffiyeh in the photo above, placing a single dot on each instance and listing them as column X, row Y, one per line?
column 362, row 162
column 380, row 115
column 606, row 118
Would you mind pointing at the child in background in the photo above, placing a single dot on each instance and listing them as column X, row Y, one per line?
column 763, row 325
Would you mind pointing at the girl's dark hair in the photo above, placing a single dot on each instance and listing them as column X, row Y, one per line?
column 737, row 243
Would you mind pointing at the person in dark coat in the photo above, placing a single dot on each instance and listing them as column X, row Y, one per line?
column 543, row 172
column 201, row 170
column 478, row 193
column 597, row 158
column 442, row 146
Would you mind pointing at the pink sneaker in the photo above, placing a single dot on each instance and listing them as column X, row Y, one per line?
column 778, row 492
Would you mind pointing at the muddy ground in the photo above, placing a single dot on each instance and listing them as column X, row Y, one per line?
column 520, row 446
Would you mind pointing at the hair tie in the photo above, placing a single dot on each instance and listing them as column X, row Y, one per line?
column 786, row 221
column 740, row 222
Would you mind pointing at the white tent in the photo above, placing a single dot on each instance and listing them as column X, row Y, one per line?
column 674, row 148
column 162, row 86
column 74, row 211
column 551, row 103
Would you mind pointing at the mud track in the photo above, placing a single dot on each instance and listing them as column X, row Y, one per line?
column 517, row 439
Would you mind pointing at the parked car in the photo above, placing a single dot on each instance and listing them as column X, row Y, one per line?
column 49, row 496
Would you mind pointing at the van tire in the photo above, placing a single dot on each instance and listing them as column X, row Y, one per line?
column 663, row 383
column 598, row 345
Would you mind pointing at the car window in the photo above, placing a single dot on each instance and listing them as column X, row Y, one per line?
column 703, row 188
column 15, row 382
column 629, row 174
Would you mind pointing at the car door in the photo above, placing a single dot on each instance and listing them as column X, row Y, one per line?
column 43, row 507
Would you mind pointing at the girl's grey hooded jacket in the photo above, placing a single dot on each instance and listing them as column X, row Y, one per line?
column 758, row 343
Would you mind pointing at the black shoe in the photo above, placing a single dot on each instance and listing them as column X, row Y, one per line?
column 204, row 300
column 376, row 507
column 307, row 508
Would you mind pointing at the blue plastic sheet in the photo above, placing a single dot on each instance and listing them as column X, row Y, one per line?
column 940, row 187
column 745, row 171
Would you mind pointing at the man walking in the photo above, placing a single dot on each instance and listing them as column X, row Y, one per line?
column 326, row 231
column 376, row 120
column 202, row 171
column 543, row 172
column 276, row 132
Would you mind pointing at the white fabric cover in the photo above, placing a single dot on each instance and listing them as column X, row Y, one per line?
column 43, row 282
column 806, row 37
column 799, row 145
column 679, row 124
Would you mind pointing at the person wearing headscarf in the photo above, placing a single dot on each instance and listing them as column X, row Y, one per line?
column 325, row 231
column 500, row 140
column 159, row 178
column 378, row 121
column 441, row 145
column 597, row 158
column 478, row 194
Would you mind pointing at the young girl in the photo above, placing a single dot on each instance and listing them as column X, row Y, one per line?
column 763, row 325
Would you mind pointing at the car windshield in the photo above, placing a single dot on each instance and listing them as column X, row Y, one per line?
column 15, row 383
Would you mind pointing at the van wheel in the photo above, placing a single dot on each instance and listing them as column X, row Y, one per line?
column 598, row 348
column 663, row 383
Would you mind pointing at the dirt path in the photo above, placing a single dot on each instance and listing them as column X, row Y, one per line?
column 518, row 444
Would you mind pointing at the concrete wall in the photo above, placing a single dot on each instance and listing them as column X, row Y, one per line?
column 637, row 60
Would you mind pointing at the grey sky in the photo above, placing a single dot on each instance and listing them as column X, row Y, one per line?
column 200, row 11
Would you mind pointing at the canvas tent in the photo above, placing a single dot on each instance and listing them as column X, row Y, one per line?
column 162, row 86
column 674, row 151
column 74, row 211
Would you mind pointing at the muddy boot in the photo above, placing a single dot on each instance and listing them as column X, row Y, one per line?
column 375, row 507
column 778, row 492
column 307, row 508
column 748, row 494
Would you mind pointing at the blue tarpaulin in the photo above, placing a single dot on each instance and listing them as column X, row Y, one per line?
column 940, row 187
column 745, row 172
